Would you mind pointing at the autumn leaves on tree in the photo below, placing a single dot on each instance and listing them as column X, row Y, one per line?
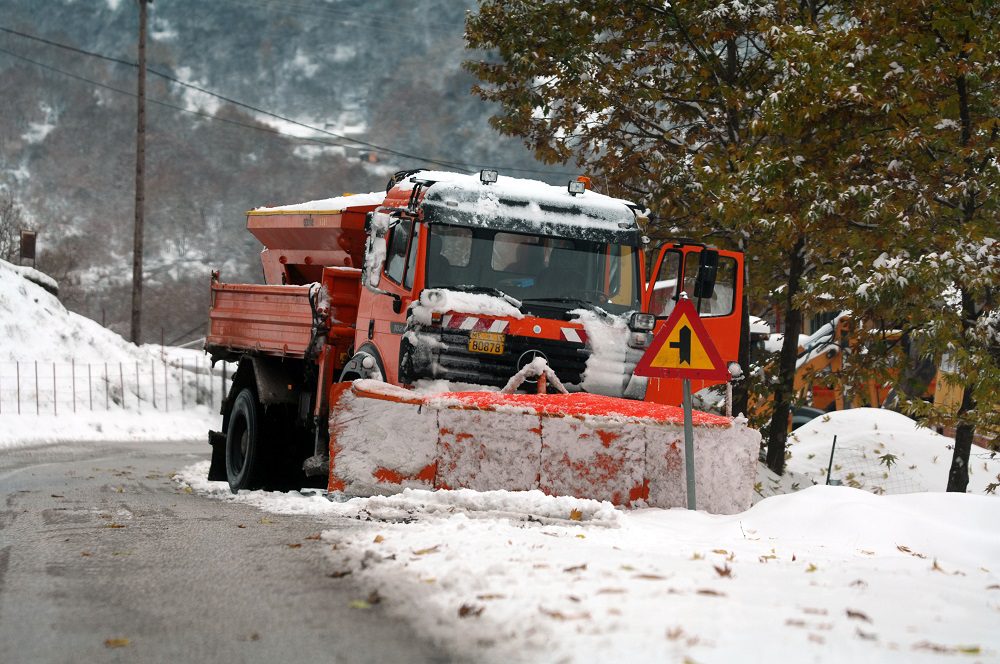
column 850, row 151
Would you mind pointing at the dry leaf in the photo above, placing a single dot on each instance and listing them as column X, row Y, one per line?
column 114, row 525
column 86, row 554
column 795, row 622
column 360, row 604
column 611, row 591
column 813, row 612
column 470, row 610
column 581, row 536
column 339, row 575
column 650, row 577
column 576, row 515
column 811, row 568
column 675, row 633
column 315, row 536
column 264, row 520
column 867, row 636
column 489, row 596
column 186, row 489
column 725, row 570
column 721, row 552
column 430, row 549
column 115, row 643
column 559, row 615
column 378, row 539
column 816, row 638
column 576, row 568
column 857, row 615
column 240, row 525
column 710, row 592
column 295, row 545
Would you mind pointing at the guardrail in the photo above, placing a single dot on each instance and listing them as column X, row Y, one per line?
column 36, row 387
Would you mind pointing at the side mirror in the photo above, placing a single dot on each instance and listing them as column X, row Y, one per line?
column 708, row 266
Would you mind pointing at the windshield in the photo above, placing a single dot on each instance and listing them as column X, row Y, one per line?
column 562, row 272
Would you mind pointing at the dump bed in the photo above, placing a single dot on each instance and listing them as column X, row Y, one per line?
column 285, row 320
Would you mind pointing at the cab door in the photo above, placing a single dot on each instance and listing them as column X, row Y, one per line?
column 674, row 270
column 397, row 286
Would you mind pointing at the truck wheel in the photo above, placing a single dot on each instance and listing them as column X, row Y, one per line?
column 244, row 448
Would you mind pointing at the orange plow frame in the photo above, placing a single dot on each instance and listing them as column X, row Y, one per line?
column 384, row 439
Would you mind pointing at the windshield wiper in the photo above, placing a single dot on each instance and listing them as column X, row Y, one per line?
column 488, row 290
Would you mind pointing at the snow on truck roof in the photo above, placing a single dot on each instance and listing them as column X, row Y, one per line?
column 528, row 206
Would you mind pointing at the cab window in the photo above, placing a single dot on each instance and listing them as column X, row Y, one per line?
column 395, row 259
column 665, row 285
column 724, row 298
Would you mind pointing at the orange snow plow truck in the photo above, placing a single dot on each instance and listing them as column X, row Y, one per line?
column 463, row 331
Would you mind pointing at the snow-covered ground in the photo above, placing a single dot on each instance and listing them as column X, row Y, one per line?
column 827, row 574
column 815, row 573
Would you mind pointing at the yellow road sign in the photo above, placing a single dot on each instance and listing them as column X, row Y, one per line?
column 683, row 349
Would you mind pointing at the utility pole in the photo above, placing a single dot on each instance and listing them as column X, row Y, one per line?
column 140, row 180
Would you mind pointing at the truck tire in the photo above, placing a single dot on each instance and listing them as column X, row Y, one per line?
column 245, row 454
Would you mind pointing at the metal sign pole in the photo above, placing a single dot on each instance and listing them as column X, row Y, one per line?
column 689, row 445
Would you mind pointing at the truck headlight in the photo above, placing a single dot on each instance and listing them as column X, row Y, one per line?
column 640, row 322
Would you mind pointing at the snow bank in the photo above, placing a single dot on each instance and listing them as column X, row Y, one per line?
column 829, row 574
column 883, row 451
column 87, row 383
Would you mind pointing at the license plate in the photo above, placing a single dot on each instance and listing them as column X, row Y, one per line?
column 490, row 343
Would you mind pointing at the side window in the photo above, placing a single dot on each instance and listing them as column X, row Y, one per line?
column 722, row 300
column 395, row 260
column 411, row 259
column 621, row 275
column 665, row 285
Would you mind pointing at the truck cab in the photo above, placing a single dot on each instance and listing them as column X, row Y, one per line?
column 468, row 279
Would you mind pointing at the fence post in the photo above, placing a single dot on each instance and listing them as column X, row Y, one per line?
column 152, row 379
column 182, row 383
column 138, row 391
column 166, row 397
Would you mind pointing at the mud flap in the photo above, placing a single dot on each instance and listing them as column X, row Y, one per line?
column 217, row 469
column 384, row 439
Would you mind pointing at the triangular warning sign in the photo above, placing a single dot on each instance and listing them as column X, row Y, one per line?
column 683, row 349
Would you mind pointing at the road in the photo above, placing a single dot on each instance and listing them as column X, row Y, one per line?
column 104, row 558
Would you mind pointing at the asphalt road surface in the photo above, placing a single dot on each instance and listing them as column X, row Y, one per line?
column 103, row 558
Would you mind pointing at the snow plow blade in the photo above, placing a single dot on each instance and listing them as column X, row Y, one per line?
column 384, row 439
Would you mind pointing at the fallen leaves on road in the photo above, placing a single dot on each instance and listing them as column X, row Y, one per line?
column 295, row 545
column 114, row 525
column 115, row 643
column 710, row 592
column 576, row 515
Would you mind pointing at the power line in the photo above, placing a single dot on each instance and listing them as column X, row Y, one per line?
column 377, row 148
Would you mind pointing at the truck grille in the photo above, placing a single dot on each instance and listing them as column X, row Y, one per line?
column 450, row 358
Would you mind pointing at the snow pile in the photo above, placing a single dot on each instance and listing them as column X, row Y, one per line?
column 820, row 575
column 330, row 205
column 81, row 365
column 883, row 451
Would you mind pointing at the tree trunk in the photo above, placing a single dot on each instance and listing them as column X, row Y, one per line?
column 958, row 475
column 784, row 389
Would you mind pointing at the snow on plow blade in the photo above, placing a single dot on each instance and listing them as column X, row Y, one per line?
column 385, row 438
